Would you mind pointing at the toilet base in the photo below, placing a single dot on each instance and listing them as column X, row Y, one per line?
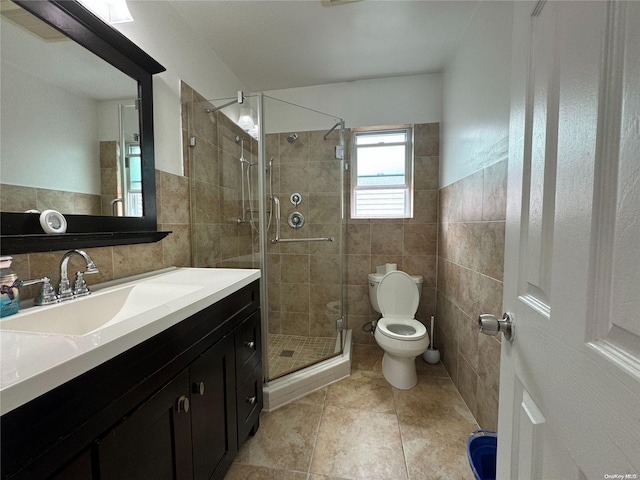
column 400, row 372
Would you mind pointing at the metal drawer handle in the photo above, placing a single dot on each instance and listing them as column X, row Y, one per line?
column 252, row 400
column 198, row 388
column 249, row 344
column 183, row 404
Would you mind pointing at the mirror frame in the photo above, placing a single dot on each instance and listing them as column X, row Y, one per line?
column 21, row 232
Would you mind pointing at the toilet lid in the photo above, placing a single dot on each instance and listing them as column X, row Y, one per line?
column 398, row 295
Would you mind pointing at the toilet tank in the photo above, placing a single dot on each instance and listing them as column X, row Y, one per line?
column 374, row 281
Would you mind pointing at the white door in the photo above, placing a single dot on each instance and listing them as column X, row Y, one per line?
column 570, row 380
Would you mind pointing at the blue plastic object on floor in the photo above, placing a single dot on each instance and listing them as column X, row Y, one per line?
column 481, row 451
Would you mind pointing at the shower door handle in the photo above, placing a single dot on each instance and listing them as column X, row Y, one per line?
column 276, row 206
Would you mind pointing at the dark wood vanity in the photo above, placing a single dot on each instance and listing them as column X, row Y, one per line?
column 178, row 405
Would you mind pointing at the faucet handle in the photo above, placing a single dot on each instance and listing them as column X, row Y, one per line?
column 80, row 287
column 65, row 292
column 47, row 293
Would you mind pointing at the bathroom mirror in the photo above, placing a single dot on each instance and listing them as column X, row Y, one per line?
column 105, row 88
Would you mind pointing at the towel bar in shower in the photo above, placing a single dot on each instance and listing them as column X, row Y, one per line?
column 315, row 239
column 277, row 239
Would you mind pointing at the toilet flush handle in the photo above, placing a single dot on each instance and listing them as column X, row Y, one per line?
column 490, row 325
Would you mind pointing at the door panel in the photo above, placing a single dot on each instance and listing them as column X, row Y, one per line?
column 213, row 411
column 154, row 442
column 570, row 381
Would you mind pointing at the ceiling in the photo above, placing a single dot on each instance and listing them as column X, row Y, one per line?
column 274, row 45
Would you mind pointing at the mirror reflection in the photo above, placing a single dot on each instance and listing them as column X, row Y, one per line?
column 69, row 125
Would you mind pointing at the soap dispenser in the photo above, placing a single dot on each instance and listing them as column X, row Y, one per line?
column 9, row 293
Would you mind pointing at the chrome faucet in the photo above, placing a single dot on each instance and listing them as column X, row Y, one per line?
column 80, row 288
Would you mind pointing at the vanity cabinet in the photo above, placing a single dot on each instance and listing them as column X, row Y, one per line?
column 177, row 406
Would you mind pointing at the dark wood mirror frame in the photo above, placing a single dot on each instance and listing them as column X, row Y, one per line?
column 21, row 232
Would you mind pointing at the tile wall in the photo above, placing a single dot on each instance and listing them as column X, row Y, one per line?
column 470, row 275
column 16, row 198
column 410, row 242
column 213, row 166
column 172, row 197
column 110, row 178
column 305, row 278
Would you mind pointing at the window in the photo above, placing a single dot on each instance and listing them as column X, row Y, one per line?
column 381, row 181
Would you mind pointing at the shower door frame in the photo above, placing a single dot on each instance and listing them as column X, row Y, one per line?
column 264, row 238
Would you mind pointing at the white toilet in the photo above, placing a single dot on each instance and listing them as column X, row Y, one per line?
column 396, row 296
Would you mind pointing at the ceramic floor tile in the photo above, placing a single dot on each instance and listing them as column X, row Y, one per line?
column 359, row 444
column 424, row 368
column 431, row 397
column 285, row 438
column 316, row 397
column 362, row 391
column 362, row 428
column 313, row 476
column 435, row 448
column 367, row 357
column 251, row 472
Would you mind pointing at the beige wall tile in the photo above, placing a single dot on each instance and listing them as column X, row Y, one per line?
column 470, row 272
column 425, row 207
column 134, row 259
column 294, row 269
column 176, row 247
column 467, row 384
column 426, row 140
column 426, row 173
column 175, row 199
column 420, row 239
column 494, row 197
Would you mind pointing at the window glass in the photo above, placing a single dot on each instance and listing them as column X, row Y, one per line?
column 381, row 174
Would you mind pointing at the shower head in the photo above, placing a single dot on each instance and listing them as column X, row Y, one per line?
column 292, row 138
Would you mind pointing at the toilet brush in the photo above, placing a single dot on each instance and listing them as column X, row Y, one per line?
column 431, row 354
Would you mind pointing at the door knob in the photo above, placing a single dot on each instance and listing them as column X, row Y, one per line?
column 491, row 325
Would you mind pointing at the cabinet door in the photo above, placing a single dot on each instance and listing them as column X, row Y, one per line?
column 154, row 442
column 213, row 413
column 81, row 468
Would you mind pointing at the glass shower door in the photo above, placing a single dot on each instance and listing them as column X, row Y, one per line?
column 304, row 234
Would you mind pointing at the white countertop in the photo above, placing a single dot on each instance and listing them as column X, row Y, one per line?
column 35, row 363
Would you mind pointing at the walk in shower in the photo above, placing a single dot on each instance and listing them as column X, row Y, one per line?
column 267, row 191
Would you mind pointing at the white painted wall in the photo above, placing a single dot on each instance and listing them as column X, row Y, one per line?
column 161, row 32
column 54, row 147
column 382, row 101
column 476, row 89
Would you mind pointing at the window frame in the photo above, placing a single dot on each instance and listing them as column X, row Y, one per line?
column 408, row 170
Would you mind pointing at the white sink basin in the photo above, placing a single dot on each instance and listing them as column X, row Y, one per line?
column 97, row 311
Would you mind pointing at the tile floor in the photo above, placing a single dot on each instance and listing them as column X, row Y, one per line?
column 362, row 428
column 288, row 353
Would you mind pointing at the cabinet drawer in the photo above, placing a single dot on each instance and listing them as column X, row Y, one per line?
column 248, row 347
column 249, row 403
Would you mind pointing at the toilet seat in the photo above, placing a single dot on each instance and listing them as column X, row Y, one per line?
column 405, row 329
column 398, row 295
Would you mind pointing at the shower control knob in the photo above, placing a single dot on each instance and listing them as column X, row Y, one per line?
column 490, row 325
column 296, row 198
column 296, row 220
